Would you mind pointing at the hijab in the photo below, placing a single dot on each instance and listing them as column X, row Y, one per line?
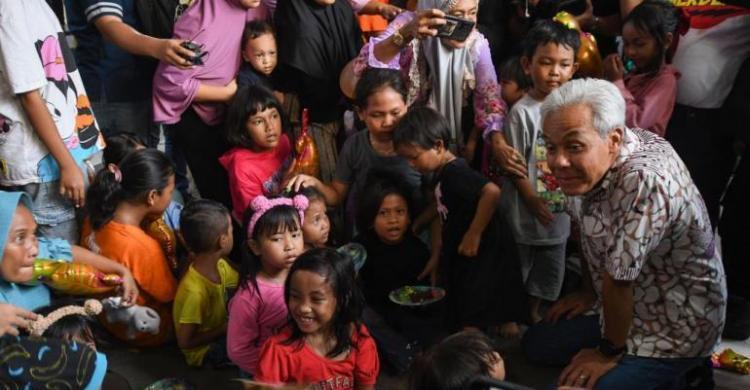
column 449, row 68
column 25, row 297
column 218, row 26
column 315, row 39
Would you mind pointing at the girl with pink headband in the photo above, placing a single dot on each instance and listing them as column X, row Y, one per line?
column 274, row 240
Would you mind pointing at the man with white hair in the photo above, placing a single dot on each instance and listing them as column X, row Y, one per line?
column 650, row 271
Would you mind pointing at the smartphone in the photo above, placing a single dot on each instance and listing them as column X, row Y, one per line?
column 455, row 28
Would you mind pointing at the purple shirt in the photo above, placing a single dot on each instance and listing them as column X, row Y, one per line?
column 489, row 108
column 218, row 26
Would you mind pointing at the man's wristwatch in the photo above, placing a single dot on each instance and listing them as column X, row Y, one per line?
column 608, row 349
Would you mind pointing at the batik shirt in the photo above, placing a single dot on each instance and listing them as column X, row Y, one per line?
column 646, row 223
column 34, row 55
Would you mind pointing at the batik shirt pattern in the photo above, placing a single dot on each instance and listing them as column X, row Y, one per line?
column 646, row 222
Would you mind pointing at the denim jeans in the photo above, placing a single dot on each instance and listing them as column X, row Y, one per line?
column 556, row 344
column 54, row 214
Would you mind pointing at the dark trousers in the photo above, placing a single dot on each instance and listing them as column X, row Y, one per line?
column 734, row 228
column 556, row 344
column 202, row 145
column 703, row 139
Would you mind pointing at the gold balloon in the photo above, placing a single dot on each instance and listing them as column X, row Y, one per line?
column 567, row 20
column 734, row 361
column 160, row 231
column 588, row 57
column 74, row 278
column 306, row 161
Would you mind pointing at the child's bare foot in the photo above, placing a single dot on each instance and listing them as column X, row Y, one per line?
column 535, row 317
column 509, row 330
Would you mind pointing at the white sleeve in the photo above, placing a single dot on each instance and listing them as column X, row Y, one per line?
column 20, row 63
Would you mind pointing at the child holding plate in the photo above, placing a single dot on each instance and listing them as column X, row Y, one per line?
column 395, row 258
column 483, row 284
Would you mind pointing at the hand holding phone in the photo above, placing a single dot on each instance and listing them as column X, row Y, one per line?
column 455, row 28
column 196, row 48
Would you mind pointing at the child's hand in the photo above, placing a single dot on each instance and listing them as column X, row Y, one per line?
column 12, row 318
column 129, row 288
column 470, row 244
column 539, row 209
column 430, row 269
column 71, row 184
column 614, row 69
column 232, row 87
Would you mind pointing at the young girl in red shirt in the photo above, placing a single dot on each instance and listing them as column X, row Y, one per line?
column 324, row 344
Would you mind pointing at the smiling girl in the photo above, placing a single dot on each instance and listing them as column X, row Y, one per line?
column 324, row 344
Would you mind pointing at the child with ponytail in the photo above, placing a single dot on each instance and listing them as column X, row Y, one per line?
column 120, row 199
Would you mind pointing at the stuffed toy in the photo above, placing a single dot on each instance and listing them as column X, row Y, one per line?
column 139, row 319
column 73, row 278
column 90, row 308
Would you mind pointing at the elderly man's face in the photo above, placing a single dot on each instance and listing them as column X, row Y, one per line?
column 576, row 154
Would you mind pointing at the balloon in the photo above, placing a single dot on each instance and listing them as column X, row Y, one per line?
column 734, row 361
column 160, row 231
column 567, row 20
column 306, row 160
column 74, row 278
column 589, row 60
column 588, row 57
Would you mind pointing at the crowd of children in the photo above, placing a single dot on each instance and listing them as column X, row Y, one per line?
column 245, row 274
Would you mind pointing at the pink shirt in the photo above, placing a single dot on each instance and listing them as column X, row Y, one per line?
column 252, row 173
column 650, row 98
column 252, row 321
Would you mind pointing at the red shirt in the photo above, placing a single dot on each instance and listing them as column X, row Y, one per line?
column 299, row 364
column 252, row 174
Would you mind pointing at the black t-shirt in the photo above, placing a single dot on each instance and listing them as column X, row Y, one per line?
column 389, row 267
column 457, row 192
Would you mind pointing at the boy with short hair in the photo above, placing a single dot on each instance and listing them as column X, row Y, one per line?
column 200, row 315
column 536, row 204
column 483, row 284
column 259, row 55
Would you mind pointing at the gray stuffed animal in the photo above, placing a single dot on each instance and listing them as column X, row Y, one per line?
column 139, row 319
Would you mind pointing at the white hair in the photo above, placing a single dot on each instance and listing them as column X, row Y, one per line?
column 602, row 97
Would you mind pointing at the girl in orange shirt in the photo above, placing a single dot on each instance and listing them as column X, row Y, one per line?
column 118, row 201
